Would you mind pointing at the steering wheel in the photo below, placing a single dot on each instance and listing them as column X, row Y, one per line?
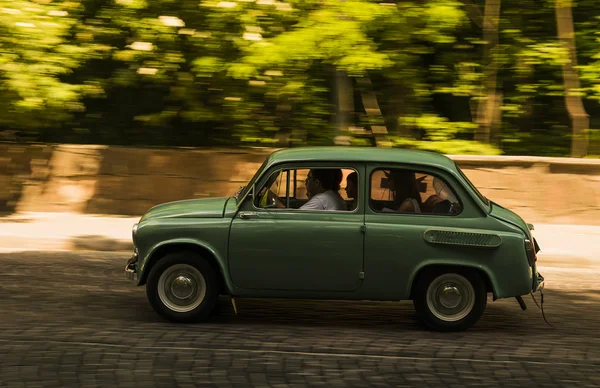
column 270, row 200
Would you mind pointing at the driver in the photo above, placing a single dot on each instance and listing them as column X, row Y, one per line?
column 323, row 186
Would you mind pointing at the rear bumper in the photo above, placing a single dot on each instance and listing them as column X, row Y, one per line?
column 539, row 282
column 131, row 270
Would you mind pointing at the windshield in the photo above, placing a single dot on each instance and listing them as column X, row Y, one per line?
column 472, row 186
column 242, row 192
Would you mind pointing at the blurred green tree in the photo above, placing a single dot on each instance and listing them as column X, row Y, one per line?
column 36, row 54
column 469, row 76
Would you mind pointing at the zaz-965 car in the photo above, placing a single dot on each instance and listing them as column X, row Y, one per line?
column 407, row 225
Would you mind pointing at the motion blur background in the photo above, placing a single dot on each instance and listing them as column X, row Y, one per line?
column 473, row 76
column 111, row 106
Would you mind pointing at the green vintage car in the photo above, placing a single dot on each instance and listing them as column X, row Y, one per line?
column 339, row 223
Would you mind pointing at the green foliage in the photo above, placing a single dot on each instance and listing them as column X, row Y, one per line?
column 441, row 135
column 204, row 72
column 35, row 53
column 439, row 128
column 450, row 147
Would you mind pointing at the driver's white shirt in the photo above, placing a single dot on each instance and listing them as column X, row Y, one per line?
column 328, row 200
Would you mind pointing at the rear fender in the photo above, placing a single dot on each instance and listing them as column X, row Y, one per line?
column 486, row 274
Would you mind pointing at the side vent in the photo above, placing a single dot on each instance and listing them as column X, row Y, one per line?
column 468, row 239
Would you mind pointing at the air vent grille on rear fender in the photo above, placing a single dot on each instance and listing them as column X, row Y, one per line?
column 462, row 238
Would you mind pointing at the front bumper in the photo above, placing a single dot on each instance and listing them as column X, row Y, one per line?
column 131, row 270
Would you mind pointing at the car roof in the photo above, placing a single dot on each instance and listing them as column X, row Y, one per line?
column 362, row 154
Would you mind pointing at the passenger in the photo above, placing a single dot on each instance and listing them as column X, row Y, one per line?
column 352, row 189
column 406, row 194
column 322, row 186
column 443, row 201
column 435, row 204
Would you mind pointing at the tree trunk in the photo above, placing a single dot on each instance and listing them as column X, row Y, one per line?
column 574, row 102
column 344, row 107
column 489, row 108
column 344, row 100
column 379, row 130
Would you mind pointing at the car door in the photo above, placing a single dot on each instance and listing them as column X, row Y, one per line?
column 296, row 250
column 395, row 243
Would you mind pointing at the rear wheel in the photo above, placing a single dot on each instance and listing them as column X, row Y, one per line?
column 450, row 299
column 182, row 287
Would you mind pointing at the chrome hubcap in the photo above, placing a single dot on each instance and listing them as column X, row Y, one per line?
column 181, row 288
column 450, row 297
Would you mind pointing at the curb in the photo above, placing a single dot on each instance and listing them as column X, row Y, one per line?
column 80, row 243
column 100, row 243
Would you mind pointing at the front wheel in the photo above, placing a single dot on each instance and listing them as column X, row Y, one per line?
column 182, row 287
column 451, row 299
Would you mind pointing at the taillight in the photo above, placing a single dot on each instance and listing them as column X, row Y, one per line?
column 531, row 251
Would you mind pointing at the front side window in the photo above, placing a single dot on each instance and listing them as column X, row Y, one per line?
column 334, row 189
column 409, row 191
column 241, row 193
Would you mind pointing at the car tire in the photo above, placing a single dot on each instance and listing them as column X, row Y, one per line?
column 450, row 299
column 182, row 287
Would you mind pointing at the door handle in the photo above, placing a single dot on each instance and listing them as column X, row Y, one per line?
column 248, row 215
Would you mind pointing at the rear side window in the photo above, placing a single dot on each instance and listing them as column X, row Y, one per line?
column 409, row 191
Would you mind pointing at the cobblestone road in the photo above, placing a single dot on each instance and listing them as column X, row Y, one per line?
column 72, row 320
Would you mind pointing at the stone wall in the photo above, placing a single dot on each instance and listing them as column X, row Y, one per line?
column 128, row 181
column 543, row 190
column 116, row 180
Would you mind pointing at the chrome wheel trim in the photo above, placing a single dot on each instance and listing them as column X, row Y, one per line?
column 181, row 288
column 450, row 297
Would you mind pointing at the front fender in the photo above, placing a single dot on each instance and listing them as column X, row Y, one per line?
column 156, row 252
